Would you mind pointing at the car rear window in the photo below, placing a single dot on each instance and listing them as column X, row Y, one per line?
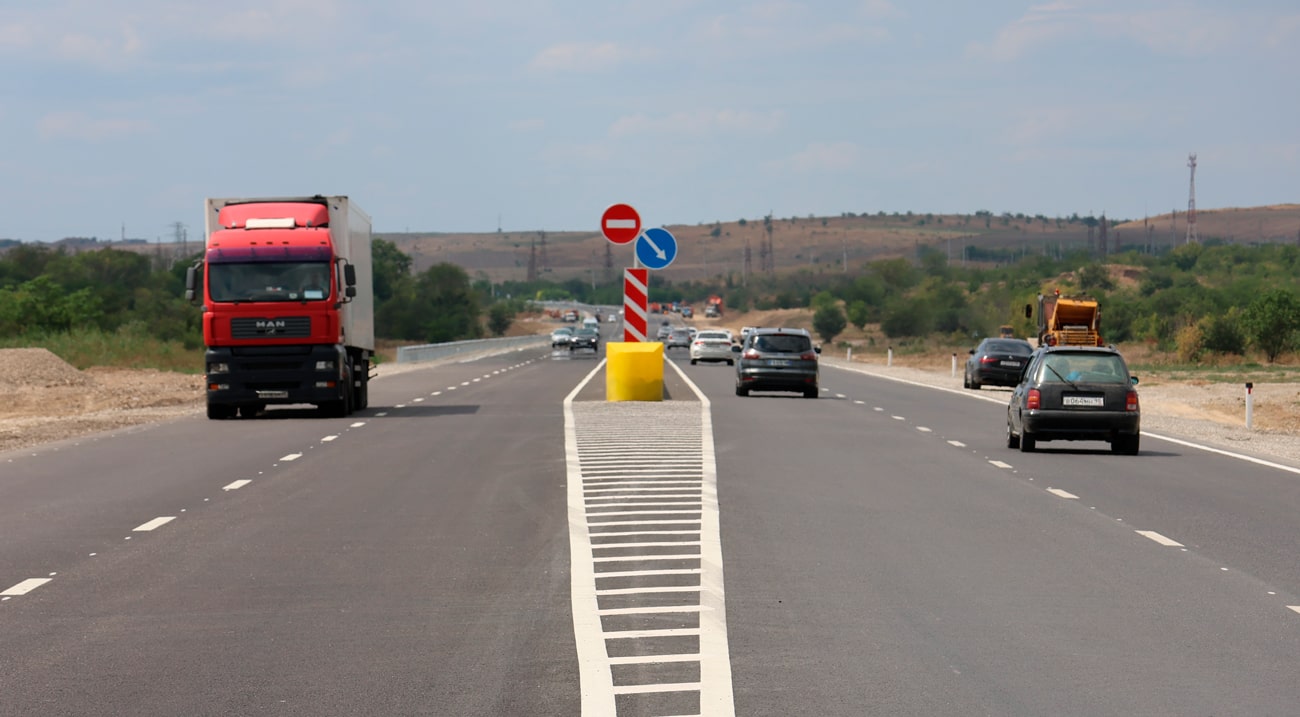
column 1085, row 368
column 1009, row 347
column 782, row 343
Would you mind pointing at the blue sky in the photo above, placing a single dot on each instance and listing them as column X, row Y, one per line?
column 445, row 116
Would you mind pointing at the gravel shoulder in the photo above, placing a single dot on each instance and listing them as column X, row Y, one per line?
column 44, row 400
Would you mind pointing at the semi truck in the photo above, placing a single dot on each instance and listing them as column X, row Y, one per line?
column 288, row 304
column 1067, row 320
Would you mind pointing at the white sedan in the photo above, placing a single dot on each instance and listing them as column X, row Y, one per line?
column 710, row 345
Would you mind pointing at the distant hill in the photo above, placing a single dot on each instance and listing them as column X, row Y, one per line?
column 822, row 243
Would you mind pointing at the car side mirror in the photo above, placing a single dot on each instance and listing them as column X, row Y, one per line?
column 971, row 352
column 818, row 349
column 735, row 348
column 1134, row 379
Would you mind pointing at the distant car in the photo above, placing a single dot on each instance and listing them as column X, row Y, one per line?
column 687, row 312
column 1075, row 393
column 586, row 337
column 711, row 345
column 612, row 319
column 560, row 337
column 664, row 330
column 778, row 360
column 997, row 362
column 678, row 338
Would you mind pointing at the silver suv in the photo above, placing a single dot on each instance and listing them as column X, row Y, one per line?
column 778, row 360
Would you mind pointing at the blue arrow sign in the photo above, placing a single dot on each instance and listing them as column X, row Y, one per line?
column 656, row 248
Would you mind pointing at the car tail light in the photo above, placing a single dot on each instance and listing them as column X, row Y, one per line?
column 750, row 354
column 1131, row 401
column 808, row 356
column 988, row 359
column 1033, row 400
column 699, row 343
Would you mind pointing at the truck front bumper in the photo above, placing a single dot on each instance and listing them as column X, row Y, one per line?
column 253, row 375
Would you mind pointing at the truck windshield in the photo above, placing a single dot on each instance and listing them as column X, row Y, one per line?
column 269, row 281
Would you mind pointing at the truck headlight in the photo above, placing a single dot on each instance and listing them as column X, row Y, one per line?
column 324, row 365
column 215, row 368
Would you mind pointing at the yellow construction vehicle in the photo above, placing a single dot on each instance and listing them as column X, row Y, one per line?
column 1067, row 320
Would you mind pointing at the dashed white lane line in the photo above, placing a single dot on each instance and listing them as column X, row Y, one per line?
column 898, row 418
column 464, row 383
column 877, row 409
column 958, row 444
column 860, row 403
column 358, row 424
column 436, row 393
column 381, row 414
column 477, row 380
column 1000, row 464
column 1153, row 535
column 451, row 388
column 400, row 405
column 1294, row 608
column 327, row 439
column 923, row 429
column 25, row 587
column 1062, row 494
column 840, row 395
column 418, row 400
column 236, row 485
column 291, row 457
column 153, row 524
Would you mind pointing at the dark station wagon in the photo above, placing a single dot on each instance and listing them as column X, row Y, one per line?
column 1075, row 393
column 777, row 360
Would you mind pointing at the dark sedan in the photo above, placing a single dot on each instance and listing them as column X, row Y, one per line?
column 1075, row 393
column 586, row 338
column 997, row 362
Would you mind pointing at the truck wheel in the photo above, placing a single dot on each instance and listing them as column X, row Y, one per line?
column 218, row 412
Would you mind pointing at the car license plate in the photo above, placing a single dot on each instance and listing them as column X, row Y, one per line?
column 1094, row 401
column 1011, row 364
column 778, row 362
column 272, row 394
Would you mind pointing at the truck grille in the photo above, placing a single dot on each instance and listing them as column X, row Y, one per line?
column 289, row 327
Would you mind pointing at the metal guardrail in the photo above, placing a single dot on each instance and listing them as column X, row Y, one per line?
column 430, row 352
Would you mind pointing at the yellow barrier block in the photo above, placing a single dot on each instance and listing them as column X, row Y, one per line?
column 634, row 371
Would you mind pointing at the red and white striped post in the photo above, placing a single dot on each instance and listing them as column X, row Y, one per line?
column 636, row 291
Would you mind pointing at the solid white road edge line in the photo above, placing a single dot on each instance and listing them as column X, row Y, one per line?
column 1003, row 401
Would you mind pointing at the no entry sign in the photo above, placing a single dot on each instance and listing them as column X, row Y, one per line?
column 620, row 223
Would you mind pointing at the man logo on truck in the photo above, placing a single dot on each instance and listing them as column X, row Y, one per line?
column 271, row 325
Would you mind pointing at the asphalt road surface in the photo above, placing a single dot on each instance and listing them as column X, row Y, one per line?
column 878, row 551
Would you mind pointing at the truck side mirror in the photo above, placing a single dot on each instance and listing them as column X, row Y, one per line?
column 191, row 283
column 350, row 278
column 350, row 291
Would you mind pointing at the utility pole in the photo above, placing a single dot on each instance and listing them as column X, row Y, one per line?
column 1191, row 201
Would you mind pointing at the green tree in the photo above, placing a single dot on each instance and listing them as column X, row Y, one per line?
column 1222, row 333
column 500, row 317
column 1094, row 278
column 390, row 267
column 907, row 317
column 828, row 322
column 822, row 299
column 1272, row 320
column 859, row 314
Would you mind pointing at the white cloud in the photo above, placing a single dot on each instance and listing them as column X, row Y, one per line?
column 880, row 10
column 583, row 57
column 528, row 124
column 1168, row 29
column 78, row 125
column 826, row 157
column 699, row 123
